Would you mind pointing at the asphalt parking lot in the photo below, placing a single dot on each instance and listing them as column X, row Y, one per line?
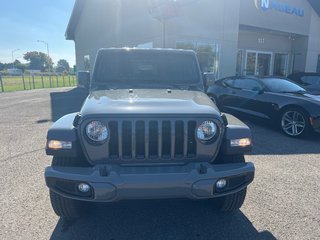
column 282, row 203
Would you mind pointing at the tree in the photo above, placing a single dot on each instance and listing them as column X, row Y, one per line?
column 2, row 66
column 19, row 65
column 63, row 66
column 38, row 61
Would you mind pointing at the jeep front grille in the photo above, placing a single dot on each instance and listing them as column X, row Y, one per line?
column 152, row 139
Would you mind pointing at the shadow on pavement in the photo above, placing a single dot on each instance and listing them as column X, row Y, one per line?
column 63, row 103
column 160, row 219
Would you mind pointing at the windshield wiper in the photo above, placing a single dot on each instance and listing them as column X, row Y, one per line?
column 107, row 86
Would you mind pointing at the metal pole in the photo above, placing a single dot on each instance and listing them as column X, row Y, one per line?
column 164, row 33
column 30, row 82
column 42, row 81
column 12, row 52
column 47, row 44
column 57, row 78
column 24, row 84
column 48, row 57
column 50, row 80
column 63, row 80
column 2, row 88
column 34, row 86
column 69, row 80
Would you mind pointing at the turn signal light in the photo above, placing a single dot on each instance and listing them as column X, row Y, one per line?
column 242, row 142
column 56, row 145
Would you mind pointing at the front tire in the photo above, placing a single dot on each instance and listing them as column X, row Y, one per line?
column 62, row 206
column 233, row 201
column 65, row 207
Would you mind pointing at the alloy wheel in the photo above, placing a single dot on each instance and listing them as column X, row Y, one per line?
column 293, row 123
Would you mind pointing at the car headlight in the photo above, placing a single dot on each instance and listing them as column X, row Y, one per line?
column 97, row 131
column 207, row 131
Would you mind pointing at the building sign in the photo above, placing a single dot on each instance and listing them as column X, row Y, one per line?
column 162, row 9
column 276, row 5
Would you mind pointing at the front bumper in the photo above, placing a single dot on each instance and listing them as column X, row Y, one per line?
column 315, row 123
column 111, row 183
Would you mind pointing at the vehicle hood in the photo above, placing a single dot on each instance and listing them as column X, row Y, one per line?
column 312, row 96
column 308, row 97
column 148, row 101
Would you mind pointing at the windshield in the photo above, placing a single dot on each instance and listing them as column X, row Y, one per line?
column 282, row 85
column 311, row 80
column 140, row 68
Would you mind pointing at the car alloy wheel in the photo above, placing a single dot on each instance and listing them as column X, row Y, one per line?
column 293, row 123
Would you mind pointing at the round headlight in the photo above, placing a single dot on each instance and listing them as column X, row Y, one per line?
column 206, row 131
column 97, row 131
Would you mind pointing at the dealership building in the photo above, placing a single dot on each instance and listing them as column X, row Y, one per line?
column 244, row 37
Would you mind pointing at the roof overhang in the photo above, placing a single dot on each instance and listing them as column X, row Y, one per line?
column 79, row 4
column 316, row 5
column 74, row 19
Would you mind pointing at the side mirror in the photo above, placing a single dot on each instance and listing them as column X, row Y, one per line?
column 258, row 90
column 208, row 79
column 83, row 79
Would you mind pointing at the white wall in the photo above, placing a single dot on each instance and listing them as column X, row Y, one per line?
column 314, row 43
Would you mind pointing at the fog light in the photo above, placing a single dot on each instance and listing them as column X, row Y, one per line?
column 83, row 187
column 222, row 183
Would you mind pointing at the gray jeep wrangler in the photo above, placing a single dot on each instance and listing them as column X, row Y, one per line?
column 147, row 130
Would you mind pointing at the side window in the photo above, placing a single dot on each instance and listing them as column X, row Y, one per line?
column 311, row 80
column 247, row 84
column 228, row 82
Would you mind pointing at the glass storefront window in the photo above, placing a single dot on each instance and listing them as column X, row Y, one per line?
column 264, row 64
column 239, row 63
column 280, row 64
column 258, row 63
column 208, row 54
column 251, row 63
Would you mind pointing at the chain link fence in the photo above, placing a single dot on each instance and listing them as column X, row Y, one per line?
column 33, row 81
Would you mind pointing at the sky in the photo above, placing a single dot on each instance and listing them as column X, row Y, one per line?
column 23, row 22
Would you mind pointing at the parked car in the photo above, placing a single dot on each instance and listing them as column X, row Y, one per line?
column 285, row 103
column 309, row 81
column 146, row 131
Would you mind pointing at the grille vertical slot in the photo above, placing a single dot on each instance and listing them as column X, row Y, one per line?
column 127, row 139
column 192, row 143
column 140, row 139
column 113, row 143
column 166, row 139
column 153, row 139
column 179, row 139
